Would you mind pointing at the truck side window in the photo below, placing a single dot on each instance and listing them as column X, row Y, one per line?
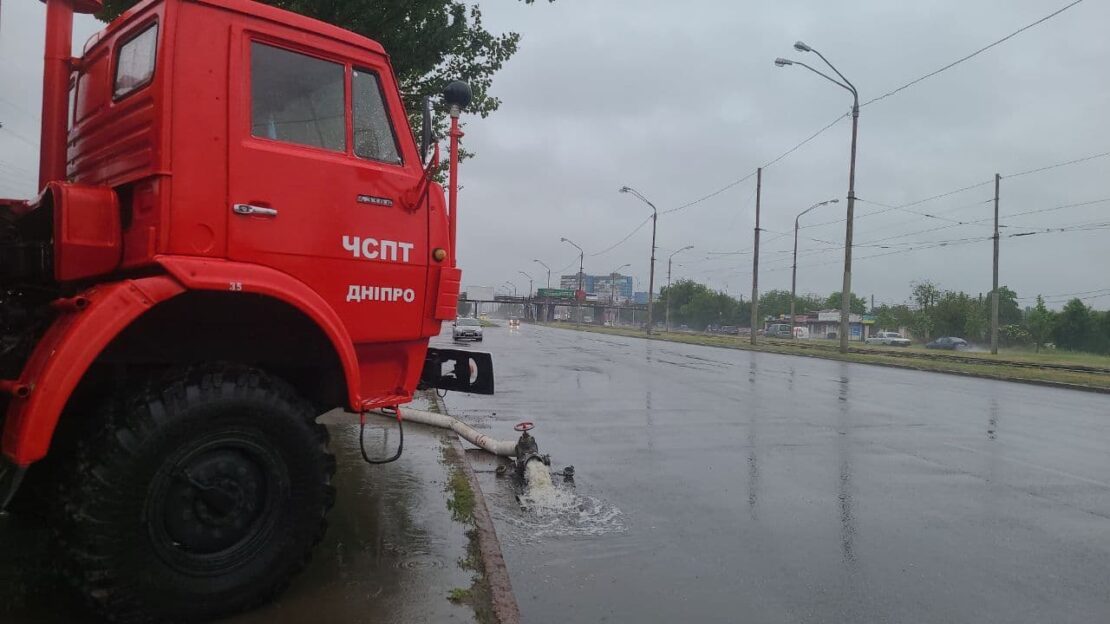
column 135, row 62
column 374, row 136
column 297, row 98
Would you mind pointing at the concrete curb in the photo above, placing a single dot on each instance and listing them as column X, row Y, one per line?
column 504, row 605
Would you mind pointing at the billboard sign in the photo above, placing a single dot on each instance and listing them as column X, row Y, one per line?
column 555, row 293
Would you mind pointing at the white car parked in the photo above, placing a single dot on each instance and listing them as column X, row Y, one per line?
column 890, row 339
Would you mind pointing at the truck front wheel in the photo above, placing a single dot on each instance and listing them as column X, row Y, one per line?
column 202, row 496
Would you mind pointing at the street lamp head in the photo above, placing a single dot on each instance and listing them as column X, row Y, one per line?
column 562, row 240
column 802, row 47
column 834, row 201
column 686, row 247
column 625, row 189
column 781, row 62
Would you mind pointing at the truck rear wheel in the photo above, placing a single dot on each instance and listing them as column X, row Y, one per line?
column 202, row 496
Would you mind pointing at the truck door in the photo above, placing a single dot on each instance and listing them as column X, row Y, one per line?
column 317, row 175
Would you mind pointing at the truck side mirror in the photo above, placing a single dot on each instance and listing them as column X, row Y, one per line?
column 426, row 129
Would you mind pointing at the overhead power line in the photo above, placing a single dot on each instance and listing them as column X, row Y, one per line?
column 973, row 54
column 804, row 141
column 935, row 215
column 1058, row 295
column 621, row 241
column 19, row 136
column 774, row 160
column 839, row 118
column 19, row 108
column 1057, row 165
column 710, row 195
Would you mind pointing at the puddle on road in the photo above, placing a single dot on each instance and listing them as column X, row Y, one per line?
column 547, row 509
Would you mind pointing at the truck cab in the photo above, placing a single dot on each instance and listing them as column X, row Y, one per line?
column 234, row 213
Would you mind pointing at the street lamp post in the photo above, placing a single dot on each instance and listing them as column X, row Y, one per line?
column 528, row 305
column 667, row 323
column 581, row 259
column 548, row 272
column 613, row 288
column 794, row 268
column 508, row 283
column 846, row 291
column 529, row 283
column 651, row 271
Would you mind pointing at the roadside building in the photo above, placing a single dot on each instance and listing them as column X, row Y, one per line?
column 826, row 324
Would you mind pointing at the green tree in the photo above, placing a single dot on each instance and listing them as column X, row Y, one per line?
column 925, row 294
column 1039, row 323
column 857, row 306
column 1009, row 312
column 884, row 318
column 698, row 306
column 1074, row 326
column 1101, row 330
column 430, row 42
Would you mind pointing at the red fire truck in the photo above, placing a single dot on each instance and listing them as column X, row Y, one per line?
column 236, row 231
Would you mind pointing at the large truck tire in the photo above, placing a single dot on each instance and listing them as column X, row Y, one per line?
column 202, row 496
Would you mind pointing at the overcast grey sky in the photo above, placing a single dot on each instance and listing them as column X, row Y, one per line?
column 680, row 99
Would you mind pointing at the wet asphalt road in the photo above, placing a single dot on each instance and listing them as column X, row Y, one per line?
column 757, row 487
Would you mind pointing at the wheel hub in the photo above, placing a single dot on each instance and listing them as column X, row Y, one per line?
column 215, row 500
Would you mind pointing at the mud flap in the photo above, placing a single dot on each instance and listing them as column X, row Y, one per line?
column 458, row 370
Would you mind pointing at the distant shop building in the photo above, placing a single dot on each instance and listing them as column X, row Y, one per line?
column 826, row 324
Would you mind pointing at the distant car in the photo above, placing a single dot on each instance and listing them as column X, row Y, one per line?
column 467, row 329
column 949, row 343
column 514, row 322
column 779, row 330
column 890, row 339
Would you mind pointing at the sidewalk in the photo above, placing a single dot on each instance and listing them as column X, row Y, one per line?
column 402, row 544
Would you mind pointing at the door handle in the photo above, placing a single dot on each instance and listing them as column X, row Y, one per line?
column 247, row 209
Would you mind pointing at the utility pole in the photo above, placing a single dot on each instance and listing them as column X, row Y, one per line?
column 667, row 322
column 670, row 260
column 581, row 276
column 651, row 271
column 994, row 293
column 755, row 257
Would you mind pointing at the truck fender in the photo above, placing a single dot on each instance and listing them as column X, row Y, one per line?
column 223, row 275
column 86, row 325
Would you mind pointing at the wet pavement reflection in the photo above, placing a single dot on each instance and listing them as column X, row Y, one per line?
column 757, row 487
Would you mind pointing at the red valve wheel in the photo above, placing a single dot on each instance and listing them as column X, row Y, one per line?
column 524, row 426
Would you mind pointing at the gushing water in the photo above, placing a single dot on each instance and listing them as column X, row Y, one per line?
column 549, row 510
column 539, row 491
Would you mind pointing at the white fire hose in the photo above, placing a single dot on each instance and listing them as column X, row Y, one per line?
column 503, row 448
